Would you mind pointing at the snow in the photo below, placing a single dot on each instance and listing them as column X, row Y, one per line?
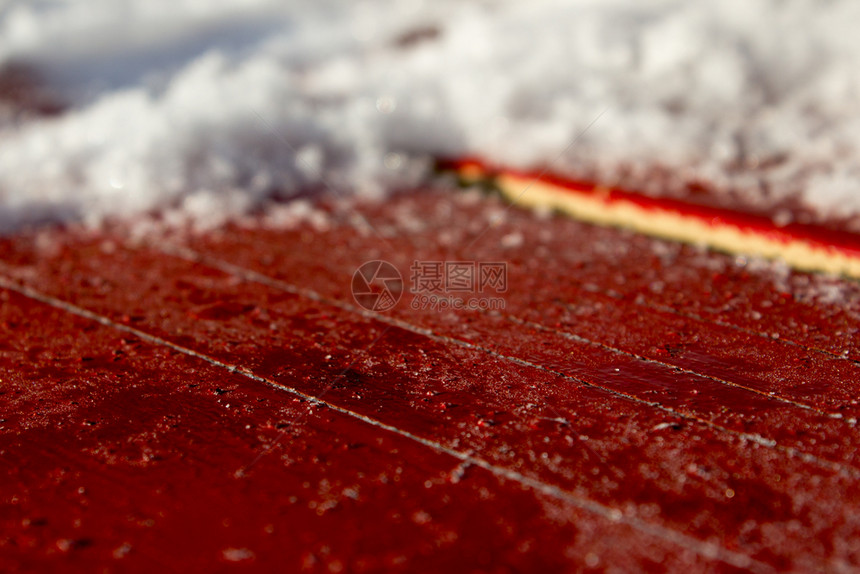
column 210, row 108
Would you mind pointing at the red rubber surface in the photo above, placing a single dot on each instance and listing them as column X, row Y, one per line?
column 122, row 455
column 637, row 405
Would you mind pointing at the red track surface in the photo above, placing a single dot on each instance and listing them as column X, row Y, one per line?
column 638, row 404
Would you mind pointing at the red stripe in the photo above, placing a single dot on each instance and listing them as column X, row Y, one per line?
column 763, row 225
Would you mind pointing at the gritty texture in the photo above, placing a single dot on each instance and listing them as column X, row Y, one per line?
column 636, row 402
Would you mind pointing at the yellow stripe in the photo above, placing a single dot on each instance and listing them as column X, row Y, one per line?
column 672, row 225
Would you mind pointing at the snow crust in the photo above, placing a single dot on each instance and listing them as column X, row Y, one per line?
column 212, row 107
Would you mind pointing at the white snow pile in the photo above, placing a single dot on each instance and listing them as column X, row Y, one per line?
column 212, row 107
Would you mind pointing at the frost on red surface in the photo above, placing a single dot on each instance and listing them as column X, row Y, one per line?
column 637, row 402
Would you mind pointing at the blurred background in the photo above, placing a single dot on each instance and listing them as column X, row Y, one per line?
column 214, row 108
